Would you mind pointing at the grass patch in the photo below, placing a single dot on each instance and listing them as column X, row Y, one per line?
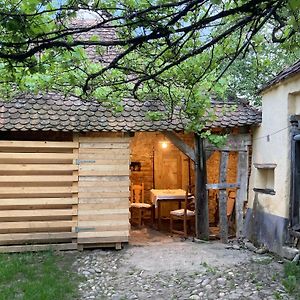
column 291, row 280
column 37, row 276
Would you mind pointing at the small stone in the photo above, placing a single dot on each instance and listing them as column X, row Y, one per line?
column 262, row 250
column 221, row 294
column 195, row 297
column 296, row 258
column 250, row 246
column 208, row 287
column 236, row 247
column 198, row 280
column 221, row 280
column 280, row 262
column 289, row 253
column 86, row 273
column 261, row 259
column 205, row 282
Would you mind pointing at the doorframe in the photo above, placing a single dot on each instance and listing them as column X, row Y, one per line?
column 294, row 204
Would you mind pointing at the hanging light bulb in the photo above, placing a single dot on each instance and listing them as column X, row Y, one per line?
column 164, row 144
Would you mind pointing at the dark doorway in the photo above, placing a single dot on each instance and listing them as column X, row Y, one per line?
column 295, row 183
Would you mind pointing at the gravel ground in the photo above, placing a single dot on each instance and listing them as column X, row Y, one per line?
column 179, row 270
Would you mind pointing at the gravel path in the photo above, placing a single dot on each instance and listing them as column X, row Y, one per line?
column 179, row 270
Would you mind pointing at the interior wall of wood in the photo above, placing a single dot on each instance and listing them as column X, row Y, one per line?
column 169, row 168
column 143, row 145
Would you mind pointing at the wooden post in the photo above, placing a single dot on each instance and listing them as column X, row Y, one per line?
column 223, row 199
column 201, row 211
column 241, row 195
column 180, row 144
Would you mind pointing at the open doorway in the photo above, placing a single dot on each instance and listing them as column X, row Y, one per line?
column 158, row 165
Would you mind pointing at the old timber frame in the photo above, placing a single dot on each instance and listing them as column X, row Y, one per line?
column 235, row 143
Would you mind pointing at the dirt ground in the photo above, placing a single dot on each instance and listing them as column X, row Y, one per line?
column 157, row 252
column 157, row 266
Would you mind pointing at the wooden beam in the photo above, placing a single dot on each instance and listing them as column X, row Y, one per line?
column 27, row 190
column 180, row 144
column 223, row 199
column 44, row 247
column 35, row 144
column 241, row 196
column 38, row 178
column 12, row 156
column 38, row 167
column 201, row 211
column 222, row 186
column 36, row 201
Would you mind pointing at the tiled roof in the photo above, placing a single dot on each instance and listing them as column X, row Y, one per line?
column 233, row 114
column 52, row 112
column 284, row 74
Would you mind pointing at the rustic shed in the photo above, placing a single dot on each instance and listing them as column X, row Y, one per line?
column 273, row 217
column 65, row 172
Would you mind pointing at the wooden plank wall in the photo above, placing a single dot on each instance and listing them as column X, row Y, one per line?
column 103, row 209
column 145, row 145
column 38, row 201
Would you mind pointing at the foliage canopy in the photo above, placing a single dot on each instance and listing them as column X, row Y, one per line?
column 179, row 51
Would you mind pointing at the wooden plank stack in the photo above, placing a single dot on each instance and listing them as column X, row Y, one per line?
column 103, row 214
column 38, row 199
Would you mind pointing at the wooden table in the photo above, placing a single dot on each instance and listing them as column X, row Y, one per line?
column 170, row 195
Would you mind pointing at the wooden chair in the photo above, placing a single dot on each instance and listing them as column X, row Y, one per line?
column 186, row 214
column 137, row 203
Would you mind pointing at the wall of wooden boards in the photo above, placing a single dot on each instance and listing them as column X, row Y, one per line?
column 54, row 194
column 171, row 168
column 161, row 168
column 103, row 189
column 38, row 199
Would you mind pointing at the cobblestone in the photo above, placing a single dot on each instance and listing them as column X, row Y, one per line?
column 111, row 274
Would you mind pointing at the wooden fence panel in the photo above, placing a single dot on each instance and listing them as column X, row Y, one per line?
column 103, row 191
column 38, row 197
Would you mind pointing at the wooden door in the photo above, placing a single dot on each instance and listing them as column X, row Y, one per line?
column 168, row 173
column 103, row 191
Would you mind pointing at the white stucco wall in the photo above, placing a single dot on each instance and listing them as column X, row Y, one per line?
column 279, row 102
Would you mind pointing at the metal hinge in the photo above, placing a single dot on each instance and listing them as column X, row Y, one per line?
column 86, row 161
column 80, row 229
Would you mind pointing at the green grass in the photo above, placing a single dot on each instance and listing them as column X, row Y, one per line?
column 291, row 280
column 37, row 276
